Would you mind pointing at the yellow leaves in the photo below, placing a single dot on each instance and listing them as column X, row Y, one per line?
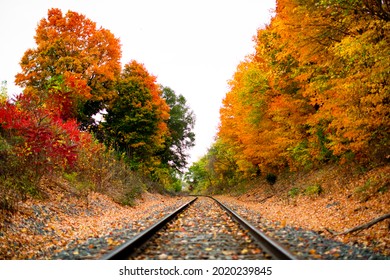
column 137, row 145
column 59, row 197
column 112, row 242
column 244, row 251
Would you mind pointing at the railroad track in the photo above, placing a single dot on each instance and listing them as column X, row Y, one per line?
column 202, row 228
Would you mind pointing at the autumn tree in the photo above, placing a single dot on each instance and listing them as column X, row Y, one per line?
column 264, row 112
column 314, row 90
column 73, row 67
column 217, row 170
column 180, row 125
column 198, row 177
column 342, row 48
column 222, row 165
column 136, row 120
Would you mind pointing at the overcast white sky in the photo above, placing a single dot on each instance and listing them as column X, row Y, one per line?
column 192, row 47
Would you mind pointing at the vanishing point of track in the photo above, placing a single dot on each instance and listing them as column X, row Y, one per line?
column 202, row 228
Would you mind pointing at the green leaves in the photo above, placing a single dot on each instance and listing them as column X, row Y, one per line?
column 180, row 124
column 135, row 123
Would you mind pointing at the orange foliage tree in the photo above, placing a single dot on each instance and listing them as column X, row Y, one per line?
column 314, row 90
column 74, row 66
column 343, row 49
column 264, row 112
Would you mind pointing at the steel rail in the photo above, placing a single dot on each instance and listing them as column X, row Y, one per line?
column 269, row 245
column 123, row 251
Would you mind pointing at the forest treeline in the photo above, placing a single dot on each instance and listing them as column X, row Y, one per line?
column 72, row 78
column 315, row 91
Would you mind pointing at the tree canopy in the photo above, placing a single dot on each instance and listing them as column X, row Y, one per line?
column 73, row 67
column 136, row 119
column 315, row 90
column 180, row 124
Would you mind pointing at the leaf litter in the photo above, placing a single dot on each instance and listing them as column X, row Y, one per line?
column 42, row 228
